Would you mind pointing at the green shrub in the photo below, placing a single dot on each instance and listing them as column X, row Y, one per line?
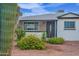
column 56, row 40
column 20, row 33
column 31, row 42
column 44, row 36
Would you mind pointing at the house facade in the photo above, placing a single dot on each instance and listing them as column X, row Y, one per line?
column 59, row 24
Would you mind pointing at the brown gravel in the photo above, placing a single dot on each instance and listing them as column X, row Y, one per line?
column 66, row 49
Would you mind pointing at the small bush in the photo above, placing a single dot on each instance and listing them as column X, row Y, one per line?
column 31, row 42
column 56, row 40
column 20, row 33
column 44, row 36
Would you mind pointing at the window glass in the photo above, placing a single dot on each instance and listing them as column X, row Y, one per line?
column 31, row 26
column 69, row 24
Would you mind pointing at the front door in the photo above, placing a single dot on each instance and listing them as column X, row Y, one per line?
column 50, row 28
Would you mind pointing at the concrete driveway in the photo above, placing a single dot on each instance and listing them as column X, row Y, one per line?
column 66, row 49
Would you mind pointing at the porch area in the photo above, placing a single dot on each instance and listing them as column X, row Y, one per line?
column 39, row 27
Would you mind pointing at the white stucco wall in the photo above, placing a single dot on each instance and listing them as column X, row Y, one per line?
column 68, row 35
column 38, row 34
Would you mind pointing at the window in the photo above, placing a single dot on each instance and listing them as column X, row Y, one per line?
column 69, row 25
column 30, row 26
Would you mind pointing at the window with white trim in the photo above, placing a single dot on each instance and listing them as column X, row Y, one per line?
column 69, row 25
column 31, row 26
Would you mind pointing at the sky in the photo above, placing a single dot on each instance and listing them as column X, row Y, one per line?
column 28, row 9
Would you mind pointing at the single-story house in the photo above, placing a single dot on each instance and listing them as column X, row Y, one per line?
column 57, row 24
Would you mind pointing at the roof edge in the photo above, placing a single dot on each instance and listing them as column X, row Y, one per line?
column 68, row 13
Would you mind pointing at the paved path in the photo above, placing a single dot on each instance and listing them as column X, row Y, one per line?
column 66, row 49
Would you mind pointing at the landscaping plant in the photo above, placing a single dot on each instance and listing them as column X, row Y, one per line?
column 44, row 36
column 20, row 33
column 31, row 42
column 56, row 40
